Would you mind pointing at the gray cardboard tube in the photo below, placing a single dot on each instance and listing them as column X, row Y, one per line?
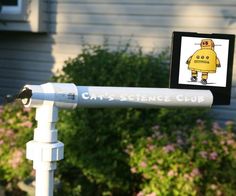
column 91, row 96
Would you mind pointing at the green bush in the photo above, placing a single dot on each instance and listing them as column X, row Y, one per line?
column 97, row 140
column 16, row 124
column 203, row 162
column 96, row 162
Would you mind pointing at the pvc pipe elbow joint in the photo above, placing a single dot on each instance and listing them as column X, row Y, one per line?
column 61, row 95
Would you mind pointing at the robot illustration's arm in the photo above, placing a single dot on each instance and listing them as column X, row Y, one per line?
column 189, row 59
column 217, row 62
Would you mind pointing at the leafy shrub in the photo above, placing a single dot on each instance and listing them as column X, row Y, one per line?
column 16, row 124
column 95, row 139
column 203, row 162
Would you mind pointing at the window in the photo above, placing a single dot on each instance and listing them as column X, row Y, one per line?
column 13, row 10
column 23, row 15
column 11, row 7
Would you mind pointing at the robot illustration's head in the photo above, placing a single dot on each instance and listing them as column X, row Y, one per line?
column 207, row 44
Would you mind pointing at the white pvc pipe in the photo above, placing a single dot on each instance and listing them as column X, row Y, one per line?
column 70, row 96
column 45, row 149
column 44, row 183
column 89, row 96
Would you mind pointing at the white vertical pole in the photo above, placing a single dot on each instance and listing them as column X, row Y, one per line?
column 45, row 150
column 44, row 182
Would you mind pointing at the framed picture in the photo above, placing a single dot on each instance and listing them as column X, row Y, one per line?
column 203, row 61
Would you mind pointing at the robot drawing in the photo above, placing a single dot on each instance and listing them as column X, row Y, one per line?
column 203, row 60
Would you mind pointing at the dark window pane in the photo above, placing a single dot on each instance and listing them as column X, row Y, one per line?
column 10, row 2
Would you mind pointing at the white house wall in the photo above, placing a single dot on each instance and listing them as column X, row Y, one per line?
column 31, row 57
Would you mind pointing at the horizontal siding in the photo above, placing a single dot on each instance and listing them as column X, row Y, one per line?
column 143, row 10
column 148, row 20
column 123, row 30
column 70, row 45
column 149, row 2
column 224, row 113
column 31, row 57
column 233, row 91
column 21, row 74
column 25, row 66
column 143, row 21
column 26, row 55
